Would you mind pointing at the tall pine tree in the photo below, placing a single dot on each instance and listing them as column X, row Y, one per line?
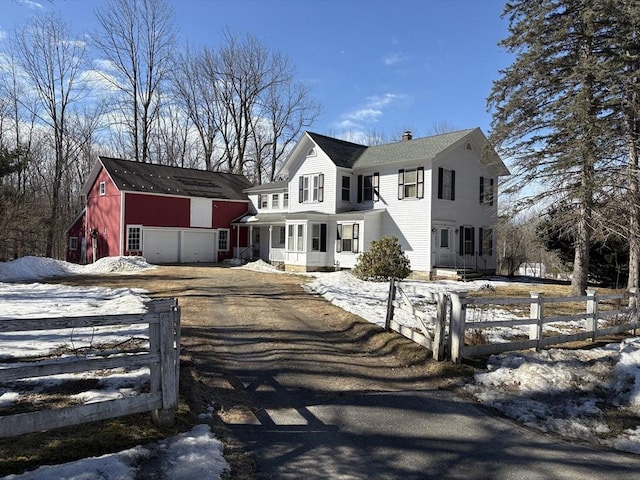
column 550, row 109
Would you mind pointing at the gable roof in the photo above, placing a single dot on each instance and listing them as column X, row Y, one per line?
column 141, row 177
column 341, row 152
column 352, row 155
column 414, row 149
column 267, row 187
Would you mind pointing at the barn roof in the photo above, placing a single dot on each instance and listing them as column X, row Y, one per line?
column 141, row 177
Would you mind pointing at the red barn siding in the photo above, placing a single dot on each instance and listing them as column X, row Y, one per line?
column 78, row 231
column 224, row 212
column 156, row 210
column 103, row 215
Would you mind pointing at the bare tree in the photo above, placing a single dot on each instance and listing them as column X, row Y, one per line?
column 137, row 37
column 195, row 92
column 51, row 61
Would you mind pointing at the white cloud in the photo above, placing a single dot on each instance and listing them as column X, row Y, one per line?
column 365, row 114
column 395, row 58
column 30, row 4
column 370, row 112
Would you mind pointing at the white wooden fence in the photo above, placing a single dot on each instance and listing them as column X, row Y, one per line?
column 432, row 329
column 538, row 337
column 445, row 333
column 163, row 360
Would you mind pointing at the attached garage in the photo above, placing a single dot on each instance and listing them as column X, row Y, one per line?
column 161, row 245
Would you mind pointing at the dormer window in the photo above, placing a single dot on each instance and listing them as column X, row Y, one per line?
column 311, row 152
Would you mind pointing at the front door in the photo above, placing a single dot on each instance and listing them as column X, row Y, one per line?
column 444, row 246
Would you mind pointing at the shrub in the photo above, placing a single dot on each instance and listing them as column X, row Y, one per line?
column 385, row 259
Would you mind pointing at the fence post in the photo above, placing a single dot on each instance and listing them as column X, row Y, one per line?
column 390, row 307
column 633, row 304
column 164, row 340
column 441, row 320
column 537, row 314
column 592, row 313
column 457, row 326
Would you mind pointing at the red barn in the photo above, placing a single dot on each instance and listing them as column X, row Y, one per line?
column 166, row 214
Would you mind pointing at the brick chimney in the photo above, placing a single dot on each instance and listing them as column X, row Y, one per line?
column 406, row 136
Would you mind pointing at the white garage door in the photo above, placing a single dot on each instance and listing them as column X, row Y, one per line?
column 161, row 246
column 198, row 246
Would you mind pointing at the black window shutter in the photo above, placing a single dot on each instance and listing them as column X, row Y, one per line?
column 321, row 187
column 356, row 236
column 339, row 239
column 376, row 186
column 360, row 181
column 420, row 180
column 481, row 190
column 440, row 180
column 480, row 240
column 259, row 200
column 473, row 239
column 400, row 184
column 323, row 237
column 491, row 191
column 461, row 240
column 453, row 184
column 301, row 190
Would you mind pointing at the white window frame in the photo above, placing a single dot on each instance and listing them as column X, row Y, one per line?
column 275, row 200
column 311, row 188
column 73, row 243
column 103, row 188
column 285, row 200
column 138, row 229
column 353, row 238
column 295, row 237
column 223, row 240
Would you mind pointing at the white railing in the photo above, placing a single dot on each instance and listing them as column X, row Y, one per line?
column 453, row 309
column 162, row 358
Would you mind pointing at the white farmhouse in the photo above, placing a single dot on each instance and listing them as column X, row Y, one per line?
column 437, row 195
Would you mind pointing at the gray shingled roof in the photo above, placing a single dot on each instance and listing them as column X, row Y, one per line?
column 343, row 153
column 264, row 187
column 151, row 178
column 415, row 149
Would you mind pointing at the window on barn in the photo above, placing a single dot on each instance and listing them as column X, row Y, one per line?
column 73, row 243
column 103, row 188
column 134, row 238
column 223, row 239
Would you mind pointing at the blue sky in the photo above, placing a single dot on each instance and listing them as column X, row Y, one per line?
column 373, row 65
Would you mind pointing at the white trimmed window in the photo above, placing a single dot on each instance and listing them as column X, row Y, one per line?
column 348, row 237
column 73, row 243
column 295, row 237
column 411, row 183
column 279, row 237
column 318, row 237
column 311, row 188
column 275, row 200
column 446, row 184
column 103, row 188
column 134, row 238
column 285, row 200
column 223, row 239
column 486, row 191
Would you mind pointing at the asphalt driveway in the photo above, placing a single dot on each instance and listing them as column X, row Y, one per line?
column 303, row 390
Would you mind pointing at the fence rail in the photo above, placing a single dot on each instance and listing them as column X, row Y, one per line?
column 163, row 360
column 445, row 334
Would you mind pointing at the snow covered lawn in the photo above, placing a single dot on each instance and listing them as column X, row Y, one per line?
column 571, row 392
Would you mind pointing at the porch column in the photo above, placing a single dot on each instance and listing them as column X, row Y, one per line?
column 238, row 240
column 269, row 242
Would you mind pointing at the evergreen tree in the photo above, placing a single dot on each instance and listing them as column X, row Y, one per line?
column 551, row 108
